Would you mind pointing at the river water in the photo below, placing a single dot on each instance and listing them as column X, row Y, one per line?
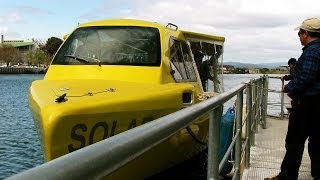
column 19, row 145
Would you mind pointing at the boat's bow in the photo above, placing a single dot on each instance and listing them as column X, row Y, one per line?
column 71, row 114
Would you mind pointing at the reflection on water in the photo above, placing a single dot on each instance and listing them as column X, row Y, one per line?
column 19, row 145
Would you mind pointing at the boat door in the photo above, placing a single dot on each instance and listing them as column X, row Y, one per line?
column 208, row 55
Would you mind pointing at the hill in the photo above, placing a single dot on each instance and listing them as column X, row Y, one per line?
column 261, row 65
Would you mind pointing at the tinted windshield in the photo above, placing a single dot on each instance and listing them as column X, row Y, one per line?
column 120, row 45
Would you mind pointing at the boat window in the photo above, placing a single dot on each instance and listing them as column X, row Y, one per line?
column 181, row 61
column 212, row 54
column 112, row 45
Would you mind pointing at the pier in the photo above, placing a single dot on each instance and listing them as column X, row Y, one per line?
column 268, row 151
column 265, row 158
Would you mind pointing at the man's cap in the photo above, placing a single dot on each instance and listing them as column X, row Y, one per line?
column 310, row 24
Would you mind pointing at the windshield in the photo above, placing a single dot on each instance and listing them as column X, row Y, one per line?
column 120, row 45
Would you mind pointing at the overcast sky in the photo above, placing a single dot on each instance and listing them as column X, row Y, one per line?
column 256, row 31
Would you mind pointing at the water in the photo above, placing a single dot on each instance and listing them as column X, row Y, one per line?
column 19, row 145
column 273, row 109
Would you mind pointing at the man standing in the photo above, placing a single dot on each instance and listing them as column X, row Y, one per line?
column 304, row 90
column 203, row 69
column 291, row 64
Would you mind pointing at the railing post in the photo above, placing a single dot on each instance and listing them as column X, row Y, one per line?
column 238, row 129
column 282, row 101
column 213, row 144
column 254, row 105
column 264, row 101
column 253, row 121
column 258, row 103
column 248, row 126
column 260, row 98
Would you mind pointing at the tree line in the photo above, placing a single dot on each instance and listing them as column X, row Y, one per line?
column 229, row 69
column 43, row 55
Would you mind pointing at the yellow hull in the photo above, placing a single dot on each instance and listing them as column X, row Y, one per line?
column 87, row 116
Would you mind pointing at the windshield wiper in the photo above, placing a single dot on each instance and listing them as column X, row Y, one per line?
column 77, row 58
column 96, row 60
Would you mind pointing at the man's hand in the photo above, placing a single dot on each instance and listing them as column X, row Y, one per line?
column 290, row 95
column 281, row 78
column 283, row 89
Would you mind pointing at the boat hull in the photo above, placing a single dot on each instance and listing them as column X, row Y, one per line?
column 81, row 120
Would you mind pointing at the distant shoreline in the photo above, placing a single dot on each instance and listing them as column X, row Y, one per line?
column 42, row 70
column 22, row 70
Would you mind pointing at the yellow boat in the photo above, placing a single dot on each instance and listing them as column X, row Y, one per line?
column 109, row 76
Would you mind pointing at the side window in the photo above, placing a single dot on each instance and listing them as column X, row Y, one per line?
column 188, row 62
column 210, row 64
column 181, row 61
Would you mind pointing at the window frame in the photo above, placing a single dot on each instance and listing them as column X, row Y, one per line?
column 184, row 69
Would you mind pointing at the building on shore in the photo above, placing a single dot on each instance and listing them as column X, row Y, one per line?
column 22, row 45
column 254, row 71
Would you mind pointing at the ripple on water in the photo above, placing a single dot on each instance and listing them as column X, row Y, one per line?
column 19, row 145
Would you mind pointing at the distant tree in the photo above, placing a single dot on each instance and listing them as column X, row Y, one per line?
column 9, row 54
column 48, row 60
column 36, row 57
column 30, row 57
column 53, row 45
column 240, row 71
column 39, row 42
column 264, row 71
column 39, row 56
column 228, row 66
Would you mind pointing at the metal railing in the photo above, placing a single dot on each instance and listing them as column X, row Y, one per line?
column 282, row 99
column 96, row 161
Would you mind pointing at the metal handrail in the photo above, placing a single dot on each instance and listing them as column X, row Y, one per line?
column 96, row 161
column 281, row 97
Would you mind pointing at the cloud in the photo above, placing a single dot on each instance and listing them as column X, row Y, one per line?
column 9, row 35
column 107, row 9
column 18, row 14
column 5, row 21
column 34, row 10
column 10, row 17
column 254, row 30
column 88, row 16
column 3, row 30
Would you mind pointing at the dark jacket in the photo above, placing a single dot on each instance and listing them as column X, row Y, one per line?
column 204, row 72
column 307, row 73
column 291, row 75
